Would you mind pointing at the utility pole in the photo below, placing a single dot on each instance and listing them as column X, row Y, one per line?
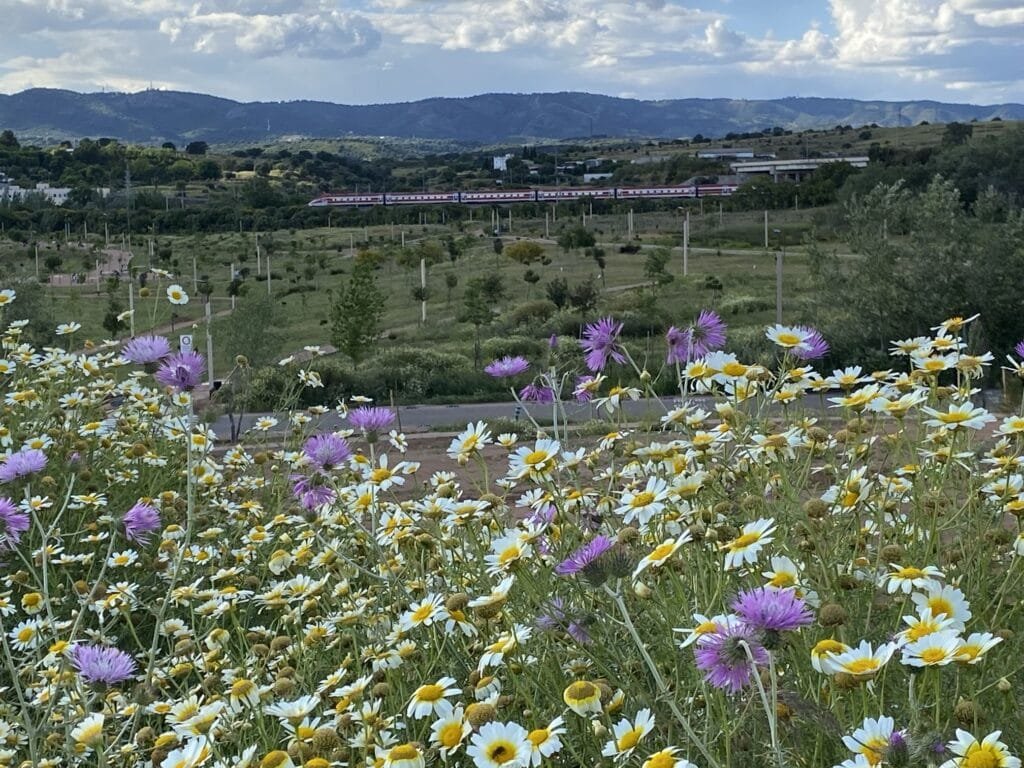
column 766, row 230
column 547, row 232
column 128, row 201
column 268, row 273
column 258, row 270
column 209, row 346
column 686, row 245
column 37, row 261
column 423, row 287
column 131, row 302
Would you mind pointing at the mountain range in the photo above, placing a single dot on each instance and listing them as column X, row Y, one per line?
column 156, row 116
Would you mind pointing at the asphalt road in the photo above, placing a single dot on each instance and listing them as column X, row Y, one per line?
column 446, row 418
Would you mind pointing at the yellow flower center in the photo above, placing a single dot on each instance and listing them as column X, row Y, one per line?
column 629, row 739
column 661, row 760
column 509, row 554
column 450, row 735
column 580, row 691
column 538, row 736
column 940, row 605
column 26, row 634
column 662, row 551
column 781, row 580
column 922, row 629
column 534, row 458
column 705, row 628
column 979, row 756
column 404, row 752
column 423, row 612
column 502, row 752
column 642, row 499
column 380, row 474
column 909, row 573
column 743, row 541
column 788, row 339
column 932, row 655
column 734, row 369
column 430, row 692
column 862, row 666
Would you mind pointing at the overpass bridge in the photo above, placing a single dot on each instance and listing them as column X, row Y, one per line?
column 791, row 170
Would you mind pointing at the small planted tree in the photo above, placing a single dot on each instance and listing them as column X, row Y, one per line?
column 357, row 312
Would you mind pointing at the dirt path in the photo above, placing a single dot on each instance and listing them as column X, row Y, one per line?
column 113, row 261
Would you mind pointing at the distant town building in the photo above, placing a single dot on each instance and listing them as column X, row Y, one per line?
column 501, row 162
column 56, row 195
column 596, row 176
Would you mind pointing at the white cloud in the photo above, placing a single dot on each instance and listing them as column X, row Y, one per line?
column 386, row 50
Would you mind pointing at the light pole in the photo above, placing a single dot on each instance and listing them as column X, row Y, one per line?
column 780, row 254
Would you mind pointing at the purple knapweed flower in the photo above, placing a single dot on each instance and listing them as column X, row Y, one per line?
column 101, row 664
column 815, row 347
column 182, row 371
column 310, row 491
column 583, row 391
column 1019, row 349
column 327, row 452
column 140, row 522
column 723, row 659
column 558, row 618
column 705, row 335
column 371, row 419
column 585, row 556
column 22, row 463
column 553, row 341
column 772, row 610
column 537, row 393
column 506, row 367
column 143, row 350
column 600, row 342
column 13, row 523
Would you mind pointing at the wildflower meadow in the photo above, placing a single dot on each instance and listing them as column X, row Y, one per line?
column 793, row 567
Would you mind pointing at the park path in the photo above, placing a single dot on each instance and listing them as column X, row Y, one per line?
column 115, row 261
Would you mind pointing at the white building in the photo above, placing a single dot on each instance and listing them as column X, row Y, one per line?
column 54, row 195
column 501, row 162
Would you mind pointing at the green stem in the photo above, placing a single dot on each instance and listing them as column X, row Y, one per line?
column 659, row 681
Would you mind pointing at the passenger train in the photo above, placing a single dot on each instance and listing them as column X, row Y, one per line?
column 492, row 196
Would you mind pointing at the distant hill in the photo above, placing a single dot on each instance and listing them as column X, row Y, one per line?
column 156, row 116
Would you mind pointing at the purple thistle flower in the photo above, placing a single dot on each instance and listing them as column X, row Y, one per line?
column 1019, row 349
column 327, row 452
column 585, row 556
column 22, row 463
column 679, row 349
column 723, row 659
column 600, row 342
column 100, row 664
column 553, row 341
column 309, row 491
column 815, row 347
column 13, row 523
column 506, row 367
column 146, row 349
column 533, row 393
column 772, row 610
column 182, row 371
column 371, row 419
column 140, row 522
column 558, row 618
column 706, row 335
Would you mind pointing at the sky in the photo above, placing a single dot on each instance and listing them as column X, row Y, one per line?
column 372, row 51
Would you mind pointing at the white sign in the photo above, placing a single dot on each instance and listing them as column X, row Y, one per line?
column 185, row 342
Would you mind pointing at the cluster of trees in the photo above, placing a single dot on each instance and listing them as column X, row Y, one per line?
column 923, row 256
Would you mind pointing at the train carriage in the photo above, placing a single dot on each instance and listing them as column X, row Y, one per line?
column 342, row 200
column 421, row 198
column 645, row 193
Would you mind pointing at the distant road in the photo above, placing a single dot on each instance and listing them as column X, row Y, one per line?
column 432, row 418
